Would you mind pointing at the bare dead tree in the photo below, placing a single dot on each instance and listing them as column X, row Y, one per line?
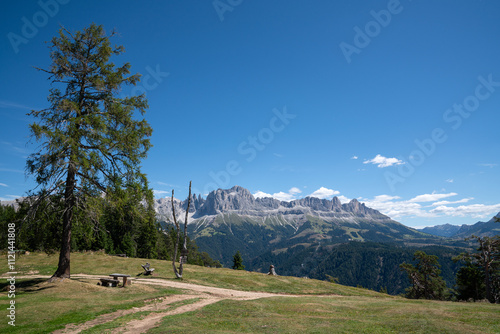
column 184, row 252
column 488, row 258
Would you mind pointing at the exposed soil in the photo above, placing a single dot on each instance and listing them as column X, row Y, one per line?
column 205, row 295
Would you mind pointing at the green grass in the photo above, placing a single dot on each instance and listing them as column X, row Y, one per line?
column 96, row 263
column 43, row 307
column 122, row 321
column 335, row 315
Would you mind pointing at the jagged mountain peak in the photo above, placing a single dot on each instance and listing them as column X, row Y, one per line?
column 223, row 200
column 315, row 203
column 240, row 200
column 357, row 207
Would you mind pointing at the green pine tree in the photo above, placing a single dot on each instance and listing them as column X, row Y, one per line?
column 470, row 282
column 90, row 141
column 486, row 259
column 238, row 261
column 425, row 278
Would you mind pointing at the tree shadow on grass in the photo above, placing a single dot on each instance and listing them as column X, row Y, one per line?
column 26, row 285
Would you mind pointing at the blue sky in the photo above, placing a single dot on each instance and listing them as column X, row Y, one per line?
column 395, row 103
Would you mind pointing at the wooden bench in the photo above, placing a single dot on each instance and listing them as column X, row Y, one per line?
column 125, row 282
column 147, row 269
column 109, row 282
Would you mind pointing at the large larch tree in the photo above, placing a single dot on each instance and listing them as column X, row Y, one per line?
column 90, row 139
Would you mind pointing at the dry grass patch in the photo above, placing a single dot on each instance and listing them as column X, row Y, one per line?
column 42, row 307
column 329, row 314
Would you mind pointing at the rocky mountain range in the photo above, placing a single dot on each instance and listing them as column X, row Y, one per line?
column 229, row 220
column 239, row 200
column 316, row 238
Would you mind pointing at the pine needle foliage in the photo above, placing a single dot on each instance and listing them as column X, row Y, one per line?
column 91, row 143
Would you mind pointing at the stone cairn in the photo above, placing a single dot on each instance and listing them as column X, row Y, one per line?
column 272, row 271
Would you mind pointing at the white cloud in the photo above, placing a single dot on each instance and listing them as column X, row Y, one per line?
column 343, row 199
column 464, row 200
column 281, row 196
column 354, row 157
column 324, row 193
column 3, row 185
column 430, row 197
column 488, row 165
column 449, row 180
column 383, row 162
column 10, row 105
column 396, row 208
column 390, row 206
column 293, row 194
column 161, row 192
column 473, row 210
column 261, row 194
column 385, row 198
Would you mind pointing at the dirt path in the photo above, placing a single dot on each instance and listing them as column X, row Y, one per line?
column 165, row 304
column 204, row 296
column 152, row 320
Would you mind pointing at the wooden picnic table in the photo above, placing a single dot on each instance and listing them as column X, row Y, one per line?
column 116, row 276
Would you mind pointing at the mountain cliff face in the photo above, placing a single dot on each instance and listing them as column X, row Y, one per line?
column 234, row 199
column 229, row 220
column 240, row 201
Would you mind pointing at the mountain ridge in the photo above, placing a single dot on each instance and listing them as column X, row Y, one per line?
column 232, row 219
column 489, row 228
column 239, row 200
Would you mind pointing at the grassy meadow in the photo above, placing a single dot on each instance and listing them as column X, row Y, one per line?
column 321, row 307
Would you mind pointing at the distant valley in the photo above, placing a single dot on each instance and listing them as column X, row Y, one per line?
column 317, row 238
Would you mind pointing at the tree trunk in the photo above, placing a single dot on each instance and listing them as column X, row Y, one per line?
column 176, row 247
column 487, row 282
column 63, row 267
column 184, row 252
column 486, row 248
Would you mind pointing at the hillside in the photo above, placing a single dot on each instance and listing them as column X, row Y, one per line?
column 219, row 301
column 489, row 228
column 310, row 237
column 368, row 264
column 233, row 219
column 445, row 230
